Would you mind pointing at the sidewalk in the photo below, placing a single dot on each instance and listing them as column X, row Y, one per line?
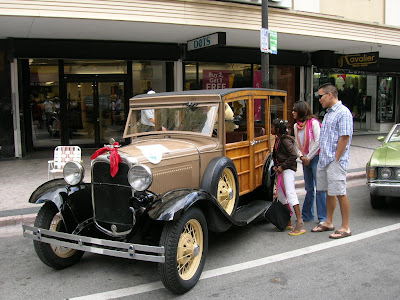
column 21, row 176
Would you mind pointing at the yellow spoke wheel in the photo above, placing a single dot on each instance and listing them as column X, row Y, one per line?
column 190, row 249
column 185, row 241
column 220, row 179
column 60, row 251
column 54, row 256
column 226, row 193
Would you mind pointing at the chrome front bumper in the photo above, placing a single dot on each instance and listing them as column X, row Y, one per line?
column 391, row 189
column 94, row 245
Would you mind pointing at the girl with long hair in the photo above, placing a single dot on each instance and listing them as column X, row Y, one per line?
column 285, row 166
column 306, row 132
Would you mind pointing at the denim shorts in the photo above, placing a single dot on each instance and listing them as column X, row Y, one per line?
column 332, row 179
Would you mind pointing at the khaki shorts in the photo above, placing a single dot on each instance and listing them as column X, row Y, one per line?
column 332, row 179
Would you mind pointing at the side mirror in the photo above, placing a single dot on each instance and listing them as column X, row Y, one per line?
column 381, row 138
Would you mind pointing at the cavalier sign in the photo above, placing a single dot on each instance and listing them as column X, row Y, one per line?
column 358, row 60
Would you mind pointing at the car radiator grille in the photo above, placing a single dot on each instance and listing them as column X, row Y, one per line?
column 111, row 196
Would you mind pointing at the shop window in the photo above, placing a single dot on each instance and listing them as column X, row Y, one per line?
column 148, row 75
column 207, row 76
column 281, row 78
column 94, row 66
column 44, row 102
column 385, row 101
column 352, row 91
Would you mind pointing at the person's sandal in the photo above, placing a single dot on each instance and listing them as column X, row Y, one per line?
column 298, row 230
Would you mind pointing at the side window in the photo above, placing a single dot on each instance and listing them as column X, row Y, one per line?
column 236, row 121
column 277, row 107
column 260, row 122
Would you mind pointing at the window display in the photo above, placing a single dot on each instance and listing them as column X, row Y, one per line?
column 385, row 103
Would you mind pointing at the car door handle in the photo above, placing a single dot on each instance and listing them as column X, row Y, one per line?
column 254, row 142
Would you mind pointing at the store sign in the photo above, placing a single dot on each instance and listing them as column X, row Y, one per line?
column 358, row 60
column 215, row 39
column 273, row 42
column 268, row 41
column 264, row 40
column 214, row 79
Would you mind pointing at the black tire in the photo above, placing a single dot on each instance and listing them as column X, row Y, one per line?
column 186, row 244
column 266, row 190
column 377, row 202
column 54, row 256
column 220, row 180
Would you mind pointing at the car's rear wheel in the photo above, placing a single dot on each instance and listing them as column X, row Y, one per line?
column 54, row 256
column 186, row 243
column 377, row 202
column 220, row 180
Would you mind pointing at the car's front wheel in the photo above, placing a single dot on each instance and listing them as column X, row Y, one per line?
column 186, row 243
column 54, row 256
column 377, row 202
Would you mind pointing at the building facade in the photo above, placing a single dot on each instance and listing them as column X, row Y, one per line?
column 68, row 69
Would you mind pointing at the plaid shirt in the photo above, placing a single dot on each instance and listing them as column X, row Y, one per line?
column 338, row 121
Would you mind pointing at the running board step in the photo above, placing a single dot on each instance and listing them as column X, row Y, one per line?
column 247, row 213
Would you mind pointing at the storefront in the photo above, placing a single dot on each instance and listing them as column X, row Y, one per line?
column 74, row 92
column 77, row 92
column 96, row 93
column 370, row 98
column 370, row 91
column 240, row 67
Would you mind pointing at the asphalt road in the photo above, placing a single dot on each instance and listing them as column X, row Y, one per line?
column 253, row 262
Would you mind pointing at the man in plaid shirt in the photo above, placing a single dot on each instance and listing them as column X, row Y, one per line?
column 334, row 142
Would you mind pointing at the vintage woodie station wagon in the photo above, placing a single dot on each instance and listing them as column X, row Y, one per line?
column 198, row 161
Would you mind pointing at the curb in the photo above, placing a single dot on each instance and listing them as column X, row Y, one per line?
column 16, row 220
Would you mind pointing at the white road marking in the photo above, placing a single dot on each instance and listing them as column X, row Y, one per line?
column 244, row 266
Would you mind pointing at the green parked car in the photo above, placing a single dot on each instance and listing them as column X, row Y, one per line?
column 383, row 169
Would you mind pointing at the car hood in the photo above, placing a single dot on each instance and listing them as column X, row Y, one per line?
column 388, row 154
column 155, row 151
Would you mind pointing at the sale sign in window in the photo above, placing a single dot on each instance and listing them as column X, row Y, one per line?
column 215, row 79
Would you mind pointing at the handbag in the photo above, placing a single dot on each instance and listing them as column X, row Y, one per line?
column 278, row 214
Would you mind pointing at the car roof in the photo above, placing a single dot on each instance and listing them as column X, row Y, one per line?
column 220, row 92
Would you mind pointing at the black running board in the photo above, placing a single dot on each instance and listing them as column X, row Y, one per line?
column 247, row 213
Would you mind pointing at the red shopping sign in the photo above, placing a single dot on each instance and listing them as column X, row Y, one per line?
column 215, row 79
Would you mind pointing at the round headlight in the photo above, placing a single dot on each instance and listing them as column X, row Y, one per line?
column 386, row 173
column 73, row 173
column 140, row 177
column 397, row 173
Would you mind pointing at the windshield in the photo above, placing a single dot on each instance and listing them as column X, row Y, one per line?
column 395, row 136
column 189, row 117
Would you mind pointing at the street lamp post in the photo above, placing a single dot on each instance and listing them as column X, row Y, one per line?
column 264, row 56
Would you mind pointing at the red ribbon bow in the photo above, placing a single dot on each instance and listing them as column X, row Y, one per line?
column 115, row 158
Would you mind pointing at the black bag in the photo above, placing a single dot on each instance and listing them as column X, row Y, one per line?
column 278, row 214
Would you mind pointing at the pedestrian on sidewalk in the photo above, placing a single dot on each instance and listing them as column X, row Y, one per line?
column 306, row 133
column 285, row 165
column 335, row 139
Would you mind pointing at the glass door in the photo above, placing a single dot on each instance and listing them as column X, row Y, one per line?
column 95, row 112
column 82, row 113
column 111, row 111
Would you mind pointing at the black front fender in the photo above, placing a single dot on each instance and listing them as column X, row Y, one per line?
column 73, row 202
column 171, row 206
column 54, row 190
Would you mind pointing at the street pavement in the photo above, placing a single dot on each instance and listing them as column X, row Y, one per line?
column 21, row 176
